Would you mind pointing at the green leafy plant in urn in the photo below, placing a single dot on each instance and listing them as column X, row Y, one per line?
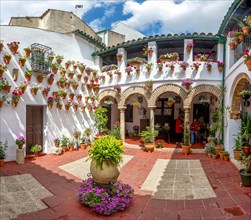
column 149, row 138
column 105, row 155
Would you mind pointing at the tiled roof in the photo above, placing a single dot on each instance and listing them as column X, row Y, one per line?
column 162, row 37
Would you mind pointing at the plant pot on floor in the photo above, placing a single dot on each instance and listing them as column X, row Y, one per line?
column 237, row 154
column 246, row 150
column 149, row 147
column 1, row 162
column 186, row 149
column 245, row 178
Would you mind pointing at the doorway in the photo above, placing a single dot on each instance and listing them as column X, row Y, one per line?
column 34, row 126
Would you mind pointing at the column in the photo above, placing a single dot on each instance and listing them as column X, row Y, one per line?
column 187, row 119
column 98, row 61
column 154, row 56
column 152, row 108
column 122, row 64
column 122, row 123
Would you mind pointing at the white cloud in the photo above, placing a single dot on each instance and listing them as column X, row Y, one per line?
column 199, row 16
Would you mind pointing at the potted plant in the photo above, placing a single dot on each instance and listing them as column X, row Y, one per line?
column 245, row 133
column 27, row 51
column 136, row 104
column 209, row 148
column 149, row 138
column 159, row 143
column 187, row 83
column 148, row 51
column 20, row 141
column 149, row 85
column 160, row 66
column 59, row 58
column 245, row 94
column 35, row 149
column 3, row 68
column 57, row 142
column 149, row 67
column 13, row 46
column 209, row 67
column 117, row 87
column 128, row 70
column 189, row 47
column 71, row 144
column 64, row 143
column 119, row 56
column 3, row 98
column 22, row 60
column 34, row 88
column 170, row 101
column 16, row 96
column 6, row 58
column 105, row 155
column 247, row 59
column 3, row 148
column 214, row 156
column 184, row 65
column 220, row 65
column 225, row 155
column 186, row 145
column 83, row 146
column 195, row 66
column 238, row 146
column 100, row 120
column 245, row 172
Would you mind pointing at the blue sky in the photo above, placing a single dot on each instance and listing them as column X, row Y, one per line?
column 149, row 17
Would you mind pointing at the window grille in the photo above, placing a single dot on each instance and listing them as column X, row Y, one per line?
column 40, row 58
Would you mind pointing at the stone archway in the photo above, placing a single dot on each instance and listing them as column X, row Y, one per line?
column 166, row 88
column 133, row 90
column 214, row 90
column 110, row 93
column 237, row 86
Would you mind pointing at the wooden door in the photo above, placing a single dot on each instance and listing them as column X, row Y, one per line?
column 34, row 126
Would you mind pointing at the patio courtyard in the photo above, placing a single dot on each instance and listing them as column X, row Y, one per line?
column 167, row 185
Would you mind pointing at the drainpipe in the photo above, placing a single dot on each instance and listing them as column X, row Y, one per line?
column 223, row 95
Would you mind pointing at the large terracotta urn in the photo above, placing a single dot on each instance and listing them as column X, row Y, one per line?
column 149, row 147
column 106, row 175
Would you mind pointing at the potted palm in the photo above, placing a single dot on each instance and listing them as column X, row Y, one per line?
column 101, row 119
column 105, row 155
column 245, row 132
column 3, row 148
column 149, row 138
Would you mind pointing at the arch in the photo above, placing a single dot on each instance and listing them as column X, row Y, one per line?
column 106, row 93
column 237, row 86
column 166, row 88
column 214, row 90
column 133, row 90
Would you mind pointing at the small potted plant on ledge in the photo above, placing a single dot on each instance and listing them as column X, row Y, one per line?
column 170, row 102
column 187, row 83
column 3, row 148
column 35, row 149
column 149, row 138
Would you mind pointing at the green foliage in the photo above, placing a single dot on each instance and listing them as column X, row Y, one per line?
column 209, row 147
column 71, row 142
column 186, row 137
column 246, row 161
column 64, row 141
column 115, row 132
column 225, row 153
column 88, row 131
column 100, row 118
column 238, row 142
column 3, row 148
column 149, row 135
column 245, row 128
column 106, row 149
column 36, row 148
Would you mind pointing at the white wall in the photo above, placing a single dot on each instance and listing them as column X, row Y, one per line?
column 57, row 123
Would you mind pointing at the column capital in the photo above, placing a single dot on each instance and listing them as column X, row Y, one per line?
column 121, row 107
column 152, row 107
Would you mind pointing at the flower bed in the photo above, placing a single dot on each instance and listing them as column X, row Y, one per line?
column 105, row 200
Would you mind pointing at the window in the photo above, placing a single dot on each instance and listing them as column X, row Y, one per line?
column 40, row 58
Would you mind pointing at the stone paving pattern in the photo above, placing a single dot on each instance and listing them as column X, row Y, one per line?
column 81, row 168
column 178, row 180
column 21, row 194
column 223, row 177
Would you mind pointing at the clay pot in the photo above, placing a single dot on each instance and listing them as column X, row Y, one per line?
column 45, row 93
column 245, row 30
column 1, row 162
column 226, row 157
column 188, row 49
column 221, row 156
column 28, row 77
column 186, row 149
column 71, row 148
column 40, row 78
column 246, row 150
column 149, row 147
column 7, row 89
column 119, row 58
column 248, row 64
column 209, row 68
column 50, row 80
column 27, row 52
column 1, row 103
column 22, row 62
column 14, row 49
column 237, row 154
column 34, row 91
column 7, row 60
column 83, row 146
column 220, row 69
column 218, row 149
column 64, row 148
column 106, row 175
column 1, row 73
column 59, row 106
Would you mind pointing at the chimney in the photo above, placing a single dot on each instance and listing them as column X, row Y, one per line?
column 79, row 11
